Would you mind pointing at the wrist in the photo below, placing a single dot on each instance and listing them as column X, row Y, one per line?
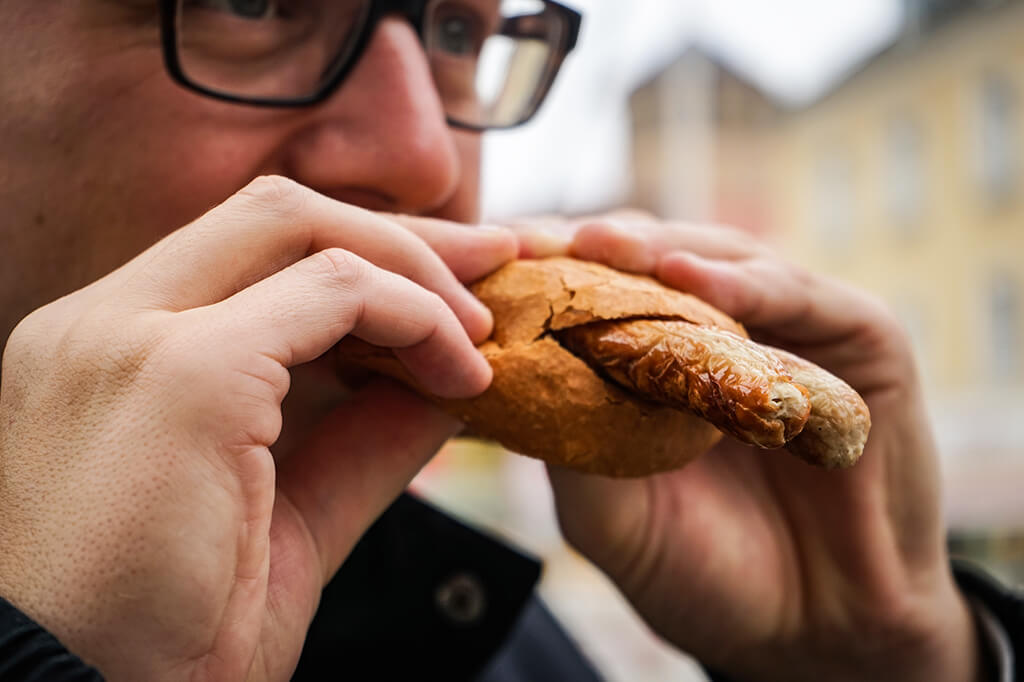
column 939, row 642
column 943, row 644
column 924, row 639
column 962, row 653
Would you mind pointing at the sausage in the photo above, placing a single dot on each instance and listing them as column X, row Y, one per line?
column 730, row 381
column 760, row 395
column 838, row 426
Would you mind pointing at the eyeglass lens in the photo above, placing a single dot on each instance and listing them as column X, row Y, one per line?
column 491, row 60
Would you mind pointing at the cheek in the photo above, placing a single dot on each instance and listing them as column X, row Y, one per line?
column 91, row 123
column 131, row 156
column 157, row 152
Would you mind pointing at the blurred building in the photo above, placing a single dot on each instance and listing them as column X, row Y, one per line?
column 704, row 144
column 906, row 179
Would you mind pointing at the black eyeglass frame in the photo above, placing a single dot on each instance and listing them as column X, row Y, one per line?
column 413, row 11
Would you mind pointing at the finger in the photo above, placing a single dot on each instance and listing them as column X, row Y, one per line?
column 772, row 296
column 543, row 236
column 297, row 314
column 542, row 243
column 357, row 462
column 471, row 252
column 637, row 245
column 272, row 223
column 615, row 244
column 588, row 521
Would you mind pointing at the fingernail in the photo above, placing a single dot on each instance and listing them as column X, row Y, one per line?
column 685, row 256
column 612, row 243
column 620, row 230
column 540, row 243
column 480, row 330
column 489, row 227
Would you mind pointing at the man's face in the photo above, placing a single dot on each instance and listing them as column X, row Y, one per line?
column 101, row 154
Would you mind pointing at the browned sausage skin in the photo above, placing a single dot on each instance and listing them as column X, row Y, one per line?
column 837, row 429
column 733, row 383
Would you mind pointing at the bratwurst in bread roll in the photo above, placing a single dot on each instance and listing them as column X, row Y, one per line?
column 612, row 373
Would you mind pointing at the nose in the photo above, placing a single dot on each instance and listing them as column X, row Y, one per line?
column 381, row 141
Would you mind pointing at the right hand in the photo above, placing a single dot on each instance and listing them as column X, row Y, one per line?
column 144, row 519
column 754, row 562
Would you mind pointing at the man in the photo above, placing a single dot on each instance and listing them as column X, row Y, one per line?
column 164, row 517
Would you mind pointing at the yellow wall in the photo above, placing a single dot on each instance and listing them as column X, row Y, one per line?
column 940, row 271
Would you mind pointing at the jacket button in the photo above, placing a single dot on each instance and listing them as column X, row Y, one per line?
column 461, row 599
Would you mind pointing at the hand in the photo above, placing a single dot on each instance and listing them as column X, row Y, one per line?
column 754, row 562
column 144, row 520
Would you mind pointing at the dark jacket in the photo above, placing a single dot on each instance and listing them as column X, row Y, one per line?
column 425, row 597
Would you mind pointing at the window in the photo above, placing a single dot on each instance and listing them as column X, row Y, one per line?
column 1005, row 325
column 997, row 144
column 904, row 173
column 833, row 200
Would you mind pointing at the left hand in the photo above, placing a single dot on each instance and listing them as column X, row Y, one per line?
column 144, row 520
column 754, row 562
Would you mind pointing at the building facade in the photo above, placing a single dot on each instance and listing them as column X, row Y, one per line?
column 906, row 179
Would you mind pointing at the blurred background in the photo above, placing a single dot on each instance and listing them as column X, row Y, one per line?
column 881, row 141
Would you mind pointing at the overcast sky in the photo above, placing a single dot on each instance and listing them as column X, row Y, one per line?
column 575, row 154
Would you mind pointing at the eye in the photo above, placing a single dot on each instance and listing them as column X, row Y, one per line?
column 458, row 34
column 250, row 8
column 245, row 9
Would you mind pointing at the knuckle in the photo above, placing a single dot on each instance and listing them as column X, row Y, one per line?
column 256, row 390
column 57, row 331
column 633, row 213
column 881, row 310
column 175, row 354
column 598, row 226
column 93, row 345
column 79, row 354
column 444, row 308
column 275, row 192
column 886, row 331
column 438, row 308
column 30, row 333
column 343, row 268
column 731, row 232
column 768, row 265
column 753, row 245
column 763, row 269
column 26, row 354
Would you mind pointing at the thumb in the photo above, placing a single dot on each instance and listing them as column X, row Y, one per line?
column 602, row 517
column 360, row 458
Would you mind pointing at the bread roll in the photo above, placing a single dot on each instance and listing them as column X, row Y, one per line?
column 611, row 373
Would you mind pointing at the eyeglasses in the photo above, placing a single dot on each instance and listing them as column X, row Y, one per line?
column 492, row 61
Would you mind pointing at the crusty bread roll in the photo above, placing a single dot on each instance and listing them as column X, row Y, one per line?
column 615, row 374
